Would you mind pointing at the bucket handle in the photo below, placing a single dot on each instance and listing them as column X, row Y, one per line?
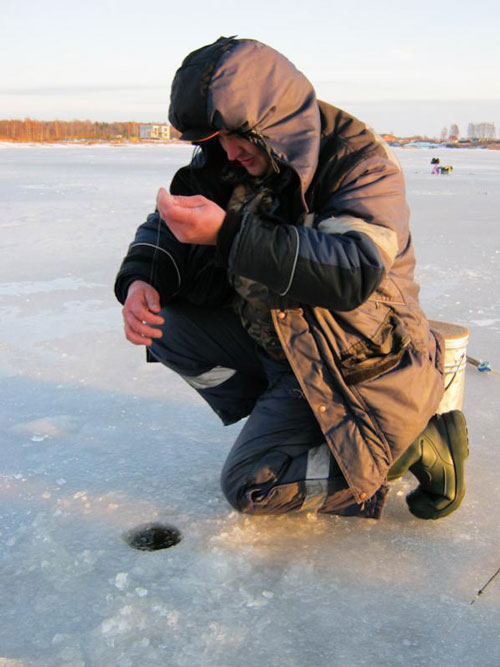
column 455, row 373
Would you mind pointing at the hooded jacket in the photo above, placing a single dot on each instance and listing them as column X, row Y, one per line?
column 327, row 233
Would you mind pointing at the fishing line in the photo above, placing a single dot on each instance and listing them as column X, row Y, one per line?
column 153, row 262
column 196, row 152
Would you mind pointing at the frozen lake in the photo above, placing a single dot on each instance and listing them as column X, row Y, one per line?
column 94, row 442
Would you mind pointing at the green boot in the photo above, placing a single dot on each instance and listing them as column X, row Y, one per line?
column 436, row 458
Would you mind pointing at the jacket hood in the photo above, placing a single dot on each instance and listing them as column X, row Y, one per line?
column 244, row 86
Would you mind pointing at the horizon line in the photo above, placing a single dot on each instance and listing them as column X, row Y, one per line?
column 100, row 88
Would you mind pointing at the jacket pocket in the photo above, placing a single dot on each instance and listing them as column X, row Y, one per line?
column 370, row 358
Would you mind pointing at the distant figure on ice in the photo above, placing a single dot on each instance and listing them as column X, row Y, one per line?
column 276, row 278
column 447, row 169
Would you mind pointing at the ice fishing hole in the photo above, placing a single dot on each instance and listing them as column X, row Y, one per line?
column 152, row 537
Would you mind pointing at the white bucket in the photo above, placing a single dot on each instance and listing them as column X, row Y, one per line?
column 455, row 360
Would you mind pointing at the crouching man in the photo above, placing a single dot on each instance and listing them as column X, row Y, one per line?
column 276, row 277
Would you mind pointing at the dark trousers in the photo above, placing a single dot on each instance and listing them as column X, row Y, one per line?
column 280, row 461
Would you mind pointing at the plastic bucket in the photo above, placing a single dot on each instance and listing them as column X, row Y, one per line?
column 456, row 338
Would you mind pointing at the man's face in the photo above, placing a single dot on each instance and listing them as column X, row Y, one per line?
column 244, row 152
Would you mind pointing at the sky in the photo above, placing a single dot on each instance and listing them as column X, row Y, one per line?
column 402, row 67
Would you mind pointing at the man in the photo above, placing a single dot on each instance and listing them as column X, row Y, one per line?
column 276, row 278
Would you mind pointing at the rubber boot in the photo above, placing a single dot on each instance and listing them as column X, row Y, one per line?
column 437, row 459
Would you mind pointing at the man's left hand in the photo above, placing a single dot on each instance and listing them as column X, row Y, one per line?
column 193, row 219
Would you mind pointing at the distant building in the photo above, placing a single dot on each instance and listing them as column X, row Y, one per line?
column 145, row 131
column 155, row 131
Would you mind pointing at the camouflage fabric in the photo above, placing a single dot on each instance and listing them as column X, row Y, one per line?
column 251, row 301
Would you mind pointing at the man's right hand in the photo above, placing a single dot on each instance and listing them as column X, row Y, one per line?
column 142, row 302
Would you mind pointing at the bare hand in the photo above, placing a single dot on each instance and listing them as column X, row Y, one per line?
column 142, row 302
column 193, row 219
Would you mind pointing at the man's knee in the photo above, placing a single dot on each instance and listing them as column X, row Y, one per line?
column 182, row 346
column 246, row 487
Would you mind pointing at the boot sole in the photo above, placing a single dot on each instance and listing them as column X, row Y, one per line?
column 459, row 448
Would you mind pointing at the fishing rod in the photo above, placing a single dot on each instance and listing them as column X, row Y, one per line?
column 482, row 366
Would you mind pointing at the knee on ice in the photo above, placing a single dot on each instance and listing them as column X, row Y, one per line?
column 245, row 490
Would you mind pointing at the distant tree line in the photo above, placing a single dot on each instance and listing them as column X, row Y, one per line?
column 453, row 132
column 59, row 130
column 481, row 131
column 54, row 130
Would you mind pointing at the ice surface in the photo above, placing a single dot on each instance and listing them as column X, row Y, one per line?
column 95, row 442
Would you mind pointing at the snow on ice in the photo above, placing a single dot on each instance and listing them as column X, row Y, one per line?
column 95, row 442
